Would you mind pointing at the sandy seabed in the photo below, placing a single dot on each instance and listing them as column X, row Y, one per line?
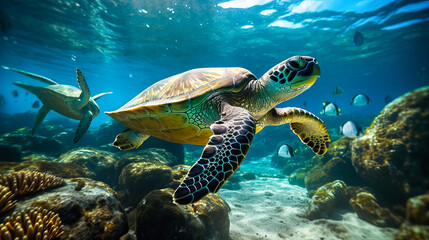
column 271, row 208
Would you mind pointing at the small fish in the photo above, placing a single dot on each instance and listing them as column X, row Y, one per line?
column 330, row 109
column 358, row 39
column 351, row 130
column 305, row 103
column 2, row 101
column 36, row 104
column 388, row 99
column 338, row 91
column 26, row 93
column 360, row 100
column 286, row 151
column 15, row 93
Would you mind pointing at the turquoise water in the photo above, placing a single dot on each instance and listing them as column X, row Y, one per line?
column 125, row 46
column 358, row 190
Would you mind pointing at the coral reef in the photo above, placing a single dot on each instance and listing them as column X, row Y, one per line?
column 92, row 213
column 100, row 163
column 24, row 182
column 416, row 225
column 64, row 170
column 32, row 223
column 7, row 199
column 158, row 217
column 391, row 156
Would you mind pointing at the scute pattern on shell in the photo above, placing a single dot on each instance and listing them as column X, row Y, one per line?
column 7, row 199
column 200, row 80
column 32, row 223
column 25, row 182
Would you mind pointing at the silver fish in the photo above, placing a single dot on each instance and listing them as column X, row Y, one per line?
column 360, row 99
column 351, row 130
column 286, row 151
column 330, row 109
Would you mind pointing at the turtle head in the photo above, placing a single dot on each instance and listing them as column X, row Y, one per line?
column 291, row 77
column 93, row 107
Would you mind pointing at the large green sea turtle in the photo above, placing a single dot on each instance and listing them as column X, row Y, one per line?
column 67, row 100
column 222, row 108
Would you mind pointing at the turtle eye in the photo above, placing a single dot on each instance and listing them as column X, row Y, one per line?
column 294, row 64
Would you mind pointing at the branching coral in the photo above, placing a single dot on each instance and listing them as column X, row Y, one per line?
column 24, row 182
column 7, row 200
column 35, row 223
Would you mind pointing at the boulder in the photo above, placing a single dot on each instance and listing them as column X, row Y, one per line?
column 158, row 217
column 416, row 225
column 138, row 179
column 93, row 212
column 98, row 162
column 326, row 199
column 391, row 156
column 367, row 208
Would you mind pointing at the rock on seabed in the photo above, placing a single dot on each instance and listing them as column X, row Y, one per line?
column 391, row 156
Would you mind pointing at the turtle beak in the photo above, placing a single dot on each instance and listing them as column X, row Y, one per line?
column 316, row 69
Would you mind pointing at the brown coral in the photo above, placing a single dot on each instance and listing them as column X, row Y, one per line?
column 24, row 182
column 7, row 200
column 35, row 223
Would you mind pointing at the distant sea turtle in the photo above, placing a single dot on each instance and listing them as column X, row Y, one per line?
column 222, row 108
column 67, row 100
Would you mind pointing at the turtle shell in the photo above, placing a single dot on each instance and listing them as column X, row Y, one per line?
column 190, row 84
column 183, row 91
column 166, row 105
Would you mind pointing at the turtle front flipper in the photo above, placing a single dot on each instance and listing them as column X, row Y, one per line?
column 40, row 116
column 226, row 149
column 129, row 139
column 32, row 75
column 309, row 128
column 96, row 97
column 83, row 125
column 85, row 94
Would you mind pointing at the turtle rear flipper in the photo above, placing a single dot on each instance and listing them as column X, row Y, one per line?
column 85, row 94
column 33, row 89
column 32, row 75
column 226, row 149
column 129, row 139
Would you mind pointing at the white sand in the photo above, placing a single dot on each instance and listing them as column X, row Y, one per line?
column 271, row 208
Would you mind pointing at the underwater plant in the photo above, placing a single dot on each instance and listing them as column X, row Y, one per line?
column 7, row 200
column 24, row 182
column 32, row 223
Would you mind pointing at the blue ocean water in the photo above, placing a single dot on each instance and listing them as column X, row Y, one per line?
column 125, row 46
column 374, row 47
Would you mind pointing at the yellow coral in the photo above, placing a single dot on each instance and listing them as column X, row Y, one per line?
column 24, row 182
column 7, row 201
column 35, row 223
